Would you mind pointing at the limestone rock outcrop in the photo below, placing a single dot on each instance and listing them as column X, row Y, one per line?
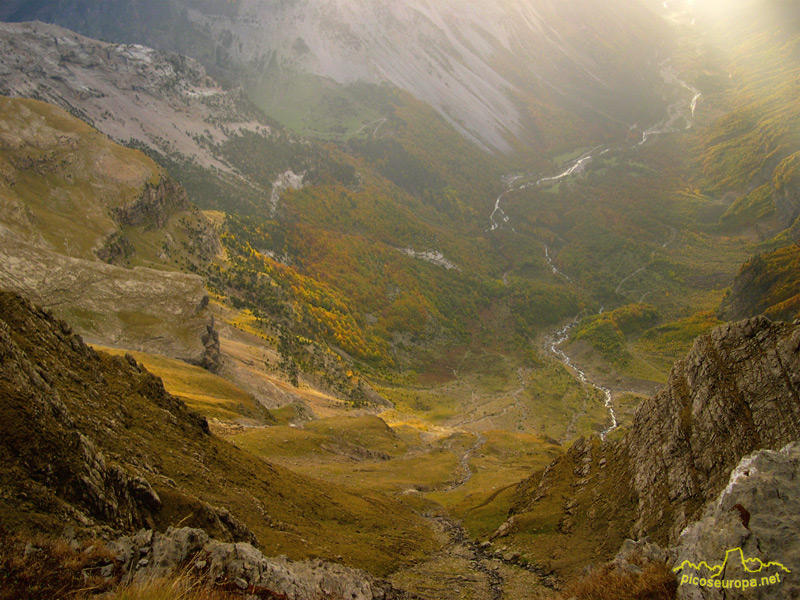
column 757, row 512
column 737, row 391
column 153, row 206
column 148, row 555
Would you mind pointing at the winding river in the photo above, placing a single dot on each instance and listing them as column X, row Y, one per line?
column 560, row 337
column 680, row 110
column 677, row 111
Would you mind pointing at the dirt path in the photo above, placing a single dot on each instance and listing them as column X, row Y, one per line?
column 653, row 254
column 380, row 122
column 464, row 569
column 456, row 572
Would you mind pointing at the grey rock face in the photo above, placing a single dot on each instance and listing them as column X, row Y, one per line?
column 212, row 357
column 153, row 207
column 759, row 512
column 737, row 391
column 129, row 92
column 460, row 57
column 149, row 554
column 643, row 549
column 768, row 283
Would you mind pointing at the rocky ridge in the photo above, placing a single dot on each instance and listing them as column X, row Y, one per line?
column 112, row 306
column 737, row 391
column 153, row 207
column 50, row 464
column 746, row 534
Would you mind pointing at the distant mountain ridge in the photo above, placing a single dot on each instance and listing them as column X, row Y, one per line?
column 500, row 72
column 162, row 102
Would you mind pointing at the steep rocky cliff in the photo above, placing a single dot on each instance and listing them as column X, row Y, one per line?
column 767, row 284
column 51, row 469
column 154, row 206
column 737, row 391
column 758, row 512
column 786, row 189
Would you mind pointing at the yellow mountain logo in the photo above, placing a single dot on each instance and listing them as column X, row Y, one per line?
column 750, row 565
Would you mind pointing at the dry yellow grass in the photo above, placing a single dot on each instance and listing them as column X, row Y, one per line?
column 655, row 582
column 202, row 391
column 177, row 587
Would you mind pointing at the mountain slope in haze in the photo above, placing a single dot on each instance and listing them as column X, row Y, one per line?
column 751, row 154
column 222, row 149
column 382, row 266
column 672, row 228
column 462, row 58
column 72, row 202
column 166, row 104
column 231, row 158
column 95, row 442
column 751, row 151
column 504, row 74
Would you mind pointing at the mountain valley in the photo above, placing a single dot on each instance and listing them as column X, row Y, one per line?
column 435, row 300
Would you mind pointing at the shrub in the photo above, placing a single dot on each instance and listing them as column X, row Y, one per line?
column 655, row 582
